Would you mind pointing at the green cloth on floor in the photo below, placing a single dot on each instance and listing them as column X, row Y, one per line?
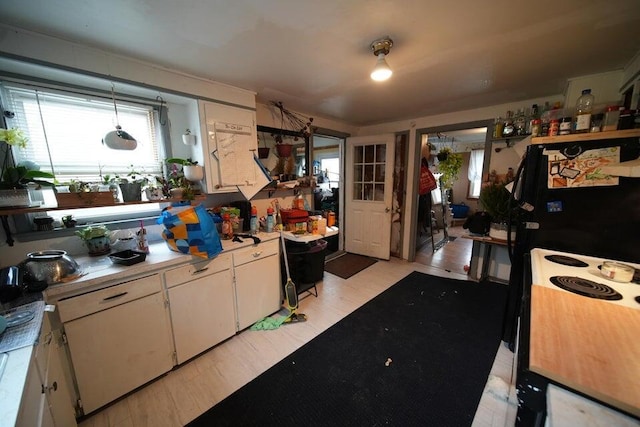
column 268, row 323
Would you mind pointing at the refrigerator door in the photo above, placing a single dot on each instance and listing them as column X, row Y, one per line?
column 576, row 207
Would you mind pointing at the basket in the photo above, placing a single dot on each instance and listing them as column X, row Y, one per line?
column 127, row 257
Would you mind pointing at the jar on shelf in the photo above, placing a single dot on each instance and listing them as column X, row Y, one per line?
column 565, row 126
column 596, row 122
column 611, row 117
column 554, row 127
column 536, row 128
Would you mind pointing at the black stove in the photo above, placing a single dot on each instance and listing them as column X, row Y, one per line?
column 566, row 260
column 586, row 287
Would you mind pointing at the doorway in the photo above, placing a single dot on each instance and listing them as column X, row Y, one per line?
column 433, row 217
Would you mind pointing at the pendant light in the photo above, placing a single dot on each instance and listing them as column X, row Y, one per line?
column 381, row 48
column 118, row 139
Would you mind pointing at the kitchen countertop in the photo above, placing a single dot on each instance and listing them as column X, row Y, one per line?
column 99, row 272
column 587, row 345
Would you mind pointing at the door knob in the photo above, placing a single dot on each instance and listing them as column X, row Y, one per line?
column 387, row 210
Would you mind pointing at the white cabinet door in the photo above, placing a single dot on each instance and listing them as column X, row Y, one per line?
column 59, row 396
column 230, row 142
column 202, row 313
column 116, row 350
column 257, row 286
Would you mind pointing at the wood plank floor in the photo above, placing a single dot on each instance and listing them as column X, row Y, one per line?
column 190, row 389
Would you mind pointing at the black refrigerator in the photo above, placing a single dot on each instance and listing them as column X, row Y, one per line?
column 570, row 202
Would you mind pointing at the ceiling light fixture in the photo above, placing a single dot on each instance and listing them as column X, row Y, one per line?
column 381, row 49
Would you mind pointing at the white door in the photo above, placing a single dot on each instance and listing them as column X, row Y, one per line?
column 368, row 195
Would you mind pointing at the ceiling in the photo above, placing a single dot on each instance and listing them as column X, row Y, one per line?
column 315, row 56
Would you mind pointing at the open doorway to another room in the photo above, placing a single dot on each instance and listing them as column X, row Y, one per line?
column 441, row 214
column 327, row 169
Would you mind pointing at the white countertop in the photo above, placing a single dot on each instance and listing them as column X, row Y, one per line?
column 99, row 272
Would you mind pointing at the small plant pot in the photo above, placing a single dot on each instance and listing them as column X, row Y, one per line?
column 193, row 173
column 176, row 193
column 498, row 231
column 284, row 150
column 188, row 139
column 98, row 245
column 442, row 156
column 131, row 192
column 263, row 152
column 153, row 193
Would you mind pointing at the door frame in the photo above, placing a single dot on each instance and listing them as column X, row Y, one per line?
column 413, row 220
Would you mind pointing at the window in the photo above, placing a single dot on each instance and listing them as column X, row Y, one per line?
column 476, row 162
column 65, row 131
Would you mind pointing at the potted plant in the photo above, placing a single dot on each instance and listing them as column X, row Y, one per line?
column 177, row 185
column 191, row 169
column 263, row 152
column 131, row 185
column 289, row 120
column 15, row 179
column 82, row 194
column 495, row 200
column 188, row 138
column 154, row 190
column 69, row 221
column 96, row 238
column 449, row 164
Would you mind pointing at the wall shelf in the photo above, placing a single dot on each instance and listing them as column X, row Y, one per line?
column 591, row 136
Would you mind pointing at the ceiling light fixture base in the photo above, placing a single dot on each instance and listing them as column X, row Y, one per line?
column 382, row 45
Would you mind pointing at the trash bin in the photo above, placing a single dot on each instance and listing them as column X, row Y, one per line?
column 306, row 263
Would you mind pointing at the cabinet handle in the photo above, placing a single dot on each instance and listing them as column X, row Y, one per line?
column 115, row 296
column 202, row 270
column 257, row 254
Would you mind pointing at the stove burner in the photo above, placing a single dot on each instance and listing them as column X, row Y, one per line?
column 638, row 300
column 566, row 260
column 586, row 287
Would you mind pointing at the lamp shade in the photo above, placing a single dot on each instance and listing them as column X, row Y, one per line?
column 381, row 71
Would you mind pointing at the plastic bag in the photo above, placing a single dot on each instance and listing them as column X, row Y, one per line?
column 427, row 181
column 190, row 230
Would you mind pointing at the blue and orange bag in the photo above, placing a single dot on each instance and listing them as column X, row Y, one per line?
column 190, row 230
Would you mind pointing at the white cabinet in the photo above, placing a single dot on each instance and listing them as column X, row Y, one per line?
column 47, row 400
column 229, row 142
column 257, row 282
column 201, row 303
column 119, row 338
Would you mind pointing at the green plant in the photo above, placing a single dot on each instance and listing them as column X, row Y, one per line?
column 181, row 162
column 133, row 176
column 495, row 199
column 18, row 176
column 449, row 164
column 93, row 231
column 13, row 137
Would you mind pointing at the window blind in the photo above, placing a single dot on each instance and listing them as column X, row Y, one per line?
column 65, row 133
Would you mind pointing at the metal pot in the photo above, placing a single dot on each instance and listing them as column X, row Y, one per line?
column 45, row 268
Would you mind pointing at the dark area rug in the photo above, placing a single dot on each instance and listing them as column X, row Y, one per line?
column 348, row 264
column 419, row 354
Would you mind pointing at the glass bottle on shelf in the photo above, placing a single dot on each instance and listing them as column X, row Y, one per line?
column 497, row 127
column 508, row 129
column 584, row 106
column 520, row 123
column 534, row 115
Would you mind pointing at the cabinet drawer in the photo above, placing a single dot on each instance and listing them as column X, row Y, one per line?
column 194, row 270
column 93, row 302
column 253, row 253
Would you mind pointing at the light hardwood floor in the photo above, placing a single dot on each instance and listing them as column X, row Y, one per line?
column 190, row 389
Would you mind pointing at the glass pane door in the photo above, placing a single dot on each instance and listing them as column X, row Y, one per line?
column 369, row 172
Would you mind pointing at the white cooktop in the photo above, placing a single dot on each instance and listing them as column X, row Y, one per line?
column 542, row 270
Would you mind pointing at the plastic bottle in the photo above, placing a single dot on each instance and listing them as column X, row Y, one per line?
column 143, row 246
column 227, row 227
column 270, row 220
column 253, row 223
column 584, row 106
